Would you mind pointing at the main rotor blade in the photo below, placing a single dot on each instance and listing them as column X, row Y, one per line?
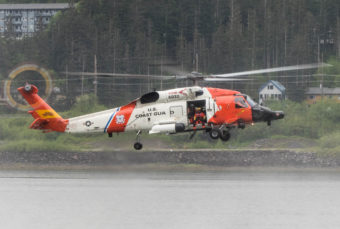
column 224, row 79
column 270, row 70
column 174, row 70
column 123, row 75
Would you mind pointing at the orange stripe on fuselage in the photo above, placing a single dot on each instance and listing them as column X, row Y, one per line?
column 121, row 118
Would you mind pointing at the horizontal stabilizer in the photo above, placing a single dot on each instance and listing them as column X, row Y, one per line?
column 39, row 124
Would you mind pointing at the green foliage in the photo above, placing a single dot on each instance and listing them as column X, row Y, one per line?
column 330, row 141
column 328, row 76
column 16, row 136
column 31, row 1
column 303, row 120
column 84, row 105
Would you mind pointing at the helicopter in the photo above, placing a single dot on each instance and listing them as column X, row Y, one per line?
column 188, row 109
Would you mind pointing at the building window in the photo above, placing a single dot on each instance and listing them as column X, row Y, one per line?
column 270, row 87
column 311, row 96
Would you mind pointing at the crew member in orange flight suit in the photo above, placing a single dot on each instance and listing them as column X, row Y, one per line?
column 203, row 117
column 199, row 116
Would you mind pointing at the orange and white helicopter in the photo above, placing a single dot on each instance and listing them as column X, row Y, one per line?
column 173, row 111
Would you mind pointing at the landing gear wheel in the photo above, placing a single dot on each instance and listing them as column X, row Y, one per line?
column 225, row 136
column 138, row 146
column 215, row 133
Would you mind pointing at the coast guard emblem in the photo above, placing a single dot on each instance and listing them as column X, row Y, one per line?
column 120, row 119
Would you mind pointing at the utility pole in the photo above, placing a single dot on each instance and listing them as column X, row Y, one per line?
column 66, row 83
column 322, row 77
column 95, row 75
column 196, row 69
column 196, row 62
column 149, row 83
column 162, row 73
column 82, row 78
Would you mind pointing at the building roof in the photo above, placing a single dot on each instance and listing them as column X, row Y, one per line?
column 326, row 91
column 277, row 84
column 34, row 6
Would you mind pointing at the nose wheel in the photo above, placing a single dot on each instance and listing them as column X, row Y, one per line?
column 138, row 145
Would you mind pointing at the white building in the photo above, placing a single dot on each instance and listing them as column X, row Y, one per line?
column 19, row 20
column 272, row 90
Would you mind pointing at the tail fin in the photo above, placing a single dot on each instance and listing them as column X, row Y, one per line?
column 45, row 117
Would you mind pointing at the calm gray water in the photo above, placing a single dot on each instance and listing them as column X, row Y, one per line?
column 232, row 199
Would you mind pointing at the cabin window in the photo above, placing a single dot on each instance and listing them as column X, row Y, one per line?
column 270, row 87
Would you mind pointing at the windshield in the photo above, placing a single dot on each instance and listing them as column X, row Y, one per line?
column 250, row 101
column 240, row 103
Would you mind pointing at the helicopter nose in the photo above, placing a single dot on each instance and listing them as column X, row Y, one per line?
column 264, row 114
column 278, row 115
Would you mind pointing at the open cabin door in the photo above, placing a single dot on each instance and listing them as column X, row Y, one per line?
column 197, row 113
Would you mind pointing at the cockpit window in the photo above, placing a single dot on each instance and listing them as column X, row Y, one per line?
column 240, row 103
column 251, row 102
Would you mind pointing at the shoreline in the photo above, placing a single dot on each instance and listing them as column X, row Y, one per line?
column 168, row 160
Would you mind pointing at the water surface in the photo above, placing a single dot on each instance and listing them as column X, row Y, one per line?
column 229, row 199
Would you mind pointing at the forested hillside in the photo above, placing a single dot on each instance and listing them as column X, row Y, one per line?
column 142, row 36
column 31, row 1
column 132, row 36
